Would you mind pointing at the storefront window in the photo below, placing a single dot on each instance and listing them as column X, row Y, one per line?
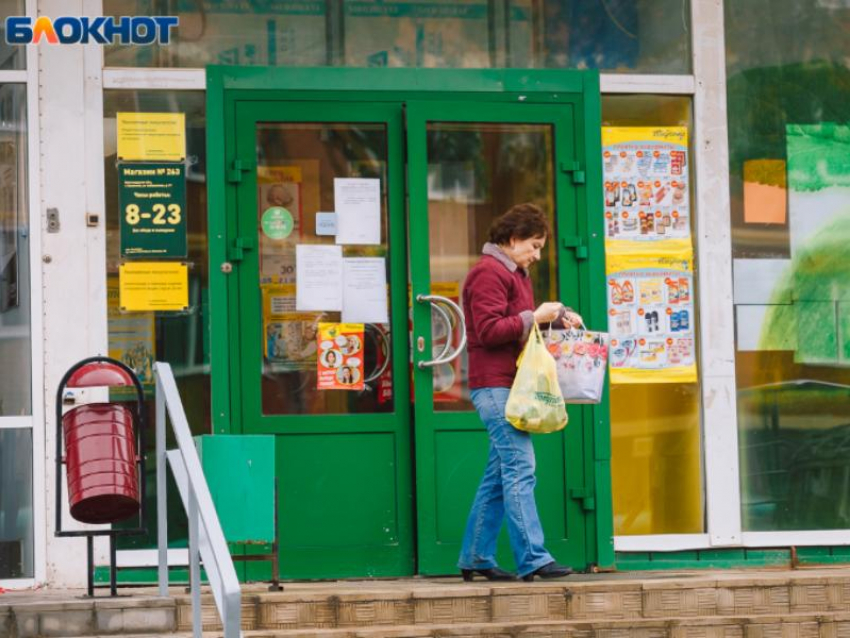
column 656, row 460
column 178, row 338
column 789, row 147
column 15, row 342
column 647, row 36
column 11, row 56
column 16, row 524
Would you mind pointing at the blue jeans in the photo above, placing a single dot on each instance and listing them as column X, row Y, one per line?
column 506, row 491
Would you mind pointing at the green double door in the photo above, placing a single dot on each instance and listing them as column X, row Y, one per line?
column 345, row 207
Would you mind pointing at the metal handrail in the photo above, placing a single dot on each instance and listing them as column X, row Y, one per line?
column 206, row 538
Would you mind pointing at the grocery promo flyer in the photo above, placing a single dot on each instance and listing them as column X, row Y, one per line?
column 340, row 356
column 646, row 184
column 651, row 317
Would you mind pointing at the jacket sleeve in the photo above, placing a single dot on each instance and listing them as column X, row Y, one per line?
column 488, row 302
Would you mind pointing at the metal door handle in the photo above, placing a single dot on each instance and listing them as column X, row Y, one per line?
column 443, row 358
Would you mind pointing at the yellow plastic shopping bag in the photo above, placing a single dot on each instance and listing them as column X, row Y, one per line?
column 535, row 403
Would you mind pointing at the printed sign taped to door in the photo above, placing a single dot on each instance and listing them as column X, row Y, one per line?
column 148, row 285
column 151, row 137
column 340, row 356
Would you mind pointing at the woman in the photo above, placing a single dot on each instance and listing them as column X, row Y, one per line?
column 498, row 305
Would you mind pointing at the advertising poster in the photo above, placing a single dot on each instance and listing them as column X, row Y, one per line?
column 651, row 317
column 340, row 356
column 289, row 336
column 152, row 201
column 279, row 211
column 131, row 337
column 646, row 184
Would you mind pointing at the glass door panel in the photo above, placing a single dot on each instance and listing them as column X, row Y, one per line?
column 342, row 439
column 467, row 164
column 476, row 172
column 297, row 167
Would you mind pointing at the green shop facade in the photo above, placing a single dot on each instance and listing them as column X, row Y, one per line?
column 456, row 111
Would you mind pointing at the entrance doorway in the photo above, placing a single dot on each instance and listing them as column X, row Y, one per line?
column 376, row 479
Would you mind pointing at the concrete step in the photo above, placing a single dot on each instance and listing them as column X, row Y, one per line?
column 121, row 615
column 835, row 625
column 349, row 606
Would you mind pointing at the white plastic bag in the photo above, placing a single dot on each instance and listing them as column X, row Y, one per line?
column 581, row 358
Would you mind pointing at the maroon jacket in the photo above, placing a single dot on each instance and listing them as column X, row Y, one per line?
column 498, row 305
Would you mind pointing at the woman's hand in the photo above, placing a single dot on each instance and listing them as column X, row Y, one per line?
column 572, row 319
column 548, row 312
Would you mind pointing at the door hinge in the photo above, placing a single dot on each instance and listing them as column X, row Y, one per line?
column 577, row 244
column 237, row 167
column 237, row 251
column 576, row 170
column 585, row 495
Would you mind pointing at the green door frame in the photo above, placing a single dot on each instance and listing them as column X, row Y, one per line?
column 227, row 86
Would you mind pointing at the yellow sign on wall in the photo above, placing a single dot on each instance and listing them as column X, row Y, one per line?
column 152, row 136
column 147, row 285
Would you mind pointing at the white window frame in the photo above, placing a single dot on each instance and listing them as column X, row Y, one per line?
column 29, row 78
column 706, row 86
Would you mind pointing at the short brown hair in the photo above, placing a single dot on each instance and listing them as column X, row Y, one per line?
column 521, row 221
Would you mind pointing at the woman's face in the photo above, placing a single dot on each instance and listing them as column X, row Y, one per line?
column 524, row 252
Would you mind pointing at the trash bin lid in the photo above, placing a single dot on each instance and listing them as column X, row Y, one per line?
column 99, row 373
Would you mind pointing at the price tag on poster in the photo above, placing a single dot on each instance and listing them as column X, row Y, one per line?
column 646, row 184
column 651, row 317
column 340, row 356
column 152, row 203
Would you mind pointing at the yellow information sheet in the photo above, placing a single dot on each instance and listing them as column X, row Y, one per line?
column 147, row 285
column 152, row 136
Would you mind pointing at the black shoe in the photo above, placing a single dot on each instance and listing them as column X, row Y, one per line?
column 492, row 573
column 552, row 570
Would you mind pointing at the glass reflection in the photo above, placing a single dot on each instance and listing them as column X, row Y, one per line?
column 624, row 36
column 788, row 105
column 15, row 342
column 16, row 523
column 475, row 173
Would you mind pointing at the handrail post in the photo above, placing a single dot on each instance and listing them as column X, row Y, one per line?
column 194, row 563
column 161, row 496
column 206, row 538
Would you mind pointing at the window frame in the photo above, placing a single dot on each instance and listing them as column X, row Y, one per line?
column 28, row 78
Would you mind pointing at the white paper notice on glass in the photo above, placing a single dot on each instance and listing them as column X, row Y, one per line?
column 364, row 296
column 318, row 277
column 358, row 210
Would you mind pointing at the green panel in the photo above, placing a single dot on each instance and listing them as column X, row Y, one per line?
column 338, row 506
column 460, row 457
column 240, row 472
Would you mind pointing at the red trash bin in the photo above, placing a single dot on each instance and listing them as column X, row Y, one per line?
column 100, row 451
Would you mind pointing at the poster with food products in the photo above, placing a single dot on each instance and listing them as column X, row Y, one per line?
column 651, row 317
column 340, row 356
column 646, row 184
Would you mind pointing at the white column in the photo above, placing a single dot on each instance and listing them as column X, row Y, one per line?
column 714, row 260
column 73, row 259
